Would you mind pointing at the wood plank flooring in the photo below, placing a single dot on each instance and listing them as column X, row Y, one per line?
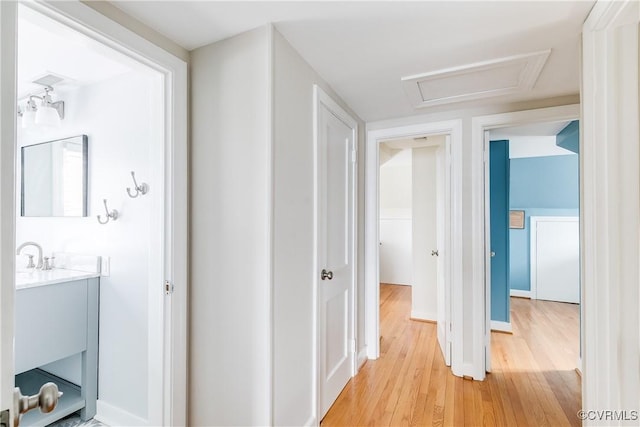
column 533, row 382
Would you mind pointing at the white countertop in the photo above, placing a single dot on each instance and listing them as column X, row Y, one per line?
column 34, row 278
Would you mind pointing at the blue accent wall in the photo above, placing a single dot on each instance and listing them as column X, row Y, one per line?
column 499, row 212
column 541, row 186
column 569, row 137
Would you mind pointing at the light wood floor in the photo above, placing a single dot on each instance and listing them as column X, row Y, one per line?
column 533, row 382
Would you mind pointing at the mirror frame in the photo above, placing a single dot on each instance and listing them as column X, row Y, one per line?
column 85, row 175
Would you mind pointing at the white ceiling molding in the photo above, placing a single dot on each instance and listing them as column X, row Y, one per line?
column 496, row 77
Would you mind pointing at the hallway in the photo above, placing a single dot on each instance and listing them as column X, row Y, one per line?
column 533, row 381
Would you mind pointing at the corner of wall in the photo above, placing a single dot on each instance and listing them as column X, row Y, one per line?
column 115, row 14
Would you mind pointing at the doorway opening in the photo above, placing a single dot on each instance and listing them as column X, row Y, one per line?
column 436, row 149
column 534, row 233
column 534, row 246
column 100, row 151
column 412, row 227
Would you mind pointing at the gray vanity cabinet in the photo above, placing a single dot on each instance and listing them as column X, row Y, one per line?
column 54, row 322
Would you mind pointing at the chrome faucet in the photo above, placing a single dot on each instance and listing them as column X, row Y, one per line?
column 40, row 264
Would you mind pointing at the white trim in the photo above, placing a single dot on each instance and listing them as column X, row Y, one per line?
column 311, row 422
column 8, row 120
column 497, row 325
column 423, row 315
column 520, row 293
column 533, row 246
column 479, row 152
column 362, row 357
column 320, row 97
column 610, row 207
column 454, row 266
column 269, row 360
column 171, row 339
column 112, row 416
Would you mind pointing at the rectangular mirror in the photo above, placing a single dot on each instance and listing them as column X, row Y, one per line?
column 54, row 178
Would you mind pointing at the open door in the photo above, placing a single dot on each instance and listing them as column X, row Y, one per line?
column 8, row 22
column 443, row 214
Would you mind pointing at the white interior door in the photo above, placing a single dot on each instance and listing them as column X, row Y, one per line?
column 424, row 296
column 7, row 158
column 442, row 255
column 336, row 159
column 555, row 259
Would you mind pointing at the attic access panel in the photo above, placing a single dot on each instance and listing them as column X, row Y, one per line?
column 485, row 79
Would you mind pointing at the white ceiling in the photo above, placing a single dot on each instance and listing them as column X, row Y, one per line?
column 363, row 49
column 45, row 46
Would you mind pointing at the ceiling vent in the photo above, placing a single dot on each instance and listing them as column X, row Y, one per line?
column 48, row 80
column 496, row 77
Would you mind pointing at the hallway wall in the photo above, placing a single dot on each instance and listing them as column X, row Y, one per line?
column 230, row 241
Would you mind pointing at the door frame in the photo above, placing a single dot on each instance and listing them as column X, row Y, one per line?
column 169, row 310
column 481, row 252
column 321, row 98
column 609, row 217
column 453, row 290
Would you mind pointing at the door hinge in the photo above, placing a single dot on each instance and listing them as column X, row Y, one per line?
column 354, row 156
column 4, row 418
column 168, row 287
column 353, row 346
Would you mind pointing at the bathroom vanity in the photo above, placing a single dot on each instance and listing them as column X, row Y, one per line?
column 57, row 317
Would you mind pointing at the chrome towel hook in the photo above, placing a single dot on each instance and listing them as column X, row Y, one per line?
column 140, row 189
column 110, row 214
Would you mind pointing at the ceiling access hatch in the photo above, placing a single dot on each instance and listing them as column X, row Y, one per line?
column 485, row 79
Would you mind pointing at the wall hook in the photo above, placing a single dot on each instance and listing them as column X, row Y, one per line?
column 140, row 189
column 110, row 214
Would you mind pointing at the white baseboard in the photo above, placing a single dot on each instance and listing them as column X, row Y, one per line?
column 113, row 416
column 422, row 315
column 519, row 293
column 362, row 357
column 311, row 422
column 501, row 326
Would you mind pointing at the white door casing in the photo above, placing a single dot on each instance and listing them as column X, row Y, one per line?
column 335, row 198
column 610, row 209
column 8, row 22
column 167, row 373
column 452, row 253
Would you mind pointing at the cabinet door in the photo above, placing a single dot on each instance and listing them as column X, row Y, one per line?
column 51, row 323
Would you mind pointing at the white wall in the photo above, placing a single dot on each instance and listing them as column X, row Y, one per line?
column 395, row 219
column 229, row 365
column 293, row 268
column 424, row 292
column 118, row 118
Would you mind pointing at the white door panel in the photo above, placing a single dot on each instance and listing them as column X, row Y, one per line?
column 555, row 251
column 335, row 253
